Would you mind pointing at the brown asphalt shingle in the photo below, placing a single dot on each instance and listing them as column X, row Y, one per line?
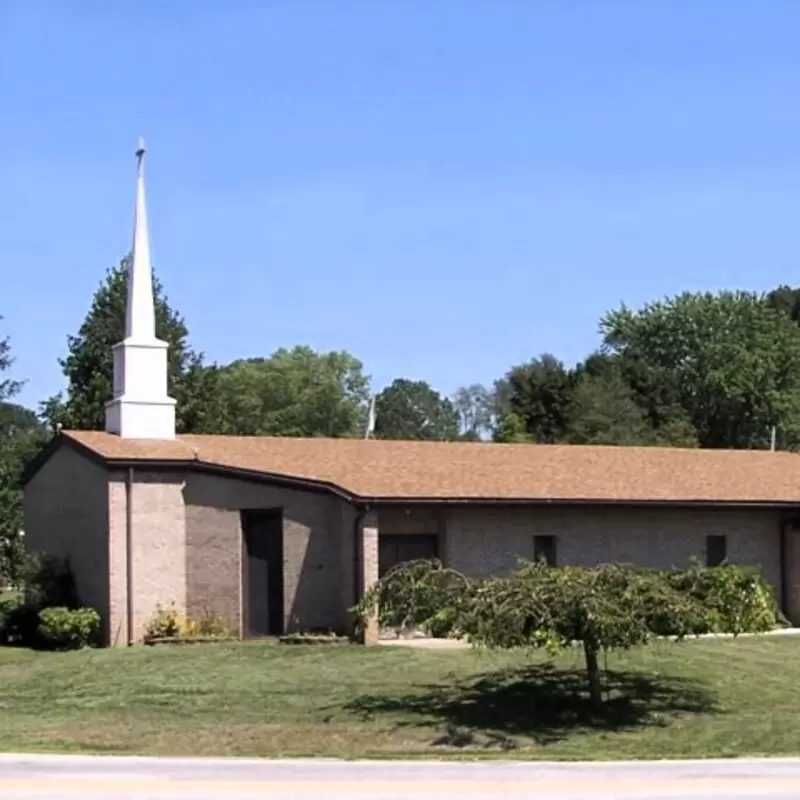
column 484, row 471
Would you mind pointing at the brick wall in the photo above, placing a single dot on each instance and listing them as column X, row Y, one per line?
column 487, row 542
column 66, row 514
column 317, row 549
column 159, row 549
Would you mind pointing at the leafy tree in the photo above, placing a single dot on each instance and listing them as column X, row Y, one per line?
column 21, row 435
column 618, row 400
column 16, row 419
column 413, row 410
column 88, row 366
column 296, row 392
column 786, row 300
column 511, row 430
column 610, row 607
column 731, row 360
column 8, row 386
column 603, row 411
column 539, row 393
column 474, row 405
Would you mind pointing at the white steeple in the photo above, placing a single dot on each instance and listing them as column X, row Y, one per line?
column 141, row 408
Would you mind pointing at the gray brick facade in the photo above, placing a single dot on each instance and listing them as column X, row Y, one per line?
column 188, row 540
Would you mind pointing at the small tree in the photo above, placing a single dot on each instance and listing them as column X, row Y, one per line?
column 610, row 607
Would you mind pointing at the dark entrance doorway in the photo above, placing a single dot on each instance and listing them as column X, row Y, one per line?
column 263, row 573
column 395, row 549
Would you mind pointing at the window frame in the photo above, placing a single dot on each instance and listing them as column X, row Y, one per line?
column 550, row 550
column 713, row 542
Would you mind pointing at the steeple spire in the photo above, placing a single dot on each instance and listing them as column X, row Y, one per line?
column 141, row 408
column 140, row 321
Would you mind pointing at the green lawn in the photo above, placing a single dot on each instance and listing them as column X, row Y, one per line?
column 700, row 698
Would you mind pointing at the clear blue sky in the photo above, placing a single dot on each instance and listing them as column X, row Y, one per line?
column 442, row 187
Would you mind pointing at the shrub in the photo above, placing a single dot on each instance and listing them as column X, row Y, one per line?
column 736, row 599
column 62, row 628
column 8, row 609
column 208, row 625
column 166, row 623
column 48, row 581
column 604, row 608
column 169, row 624
column 18, row 623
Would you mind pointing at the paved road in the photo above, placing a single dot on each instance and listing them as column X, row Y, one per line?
column 69, row 778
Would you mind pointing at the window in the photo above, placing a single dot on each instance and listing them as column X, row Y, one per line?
column 394, row 549
column 544, row 547
column 716, row 550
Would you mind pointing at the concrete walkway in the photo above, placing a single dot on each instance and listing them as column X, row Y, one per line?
column 73, row 777
column 460, row 644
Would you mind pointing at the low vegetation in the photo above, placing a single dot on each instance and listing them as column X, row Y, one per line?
column 63, row 628
column 47, row 613
column 696, row 698
column 606, row 608
column 168, row 626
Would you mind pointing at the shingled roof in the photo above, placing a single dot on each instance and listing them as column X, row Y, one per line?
column 479, row 472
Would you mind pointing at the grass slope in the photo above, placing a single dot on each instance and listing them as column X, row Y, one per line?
column 700, row 698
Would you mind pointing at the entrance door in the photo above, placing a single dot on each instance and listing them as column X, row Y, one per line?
column 263, row 573
column 396, row 549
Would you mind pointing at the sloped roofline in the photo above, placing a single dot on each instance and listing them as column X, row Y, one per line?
column 327, row 487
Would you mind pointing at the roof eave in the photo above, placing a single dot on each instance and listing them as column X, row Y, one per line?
column 591, row 501
column 273, row 478
column 317, row 486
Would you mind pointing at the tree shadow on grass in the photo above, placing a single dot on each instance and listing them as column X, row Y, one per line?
column 539, row 703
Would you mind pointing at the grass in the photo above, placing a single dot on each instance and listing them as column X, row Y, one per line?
column 698, row 699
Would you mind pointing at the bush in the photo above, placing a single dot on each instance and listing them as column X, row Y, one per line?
column 8, row 609
column 166, row 623
column 62, row 628
column 169, row 624
column 208, row 625
column 604, row 608
column 18, row 623
column 48, row 581
column 735, row 599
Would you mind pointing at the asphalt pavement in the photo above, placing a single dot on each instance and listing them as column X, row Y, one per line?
column 25, row 777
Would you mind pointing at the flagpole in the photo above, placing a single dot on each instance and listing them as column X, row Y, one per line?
column 370, row 429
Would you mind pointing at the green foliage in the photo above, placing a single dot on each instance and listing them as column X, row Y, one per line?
column 9, row 604
column 8, row 386
column 48, row 581
column 474, row 405
column 511, row 430
column 296, row 392
column 208, row 625
column 731, row 362
column 610, row 607
column 20, row 440
column 413, row 410
column 539, row 394
column 419, row 593
column 88, row 366
column 21, row 435
column 737, row 599
column 168, row 623
column 63, row 628
column 603, row 410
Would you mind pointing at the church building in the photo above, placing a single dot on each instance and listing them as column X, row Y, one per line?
column 282, row 534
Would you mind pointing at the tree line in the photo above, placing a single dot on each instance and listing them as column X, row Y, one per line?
column 695, row 370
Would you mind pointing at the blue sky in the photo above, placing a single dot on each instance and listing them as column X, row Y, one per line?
column 442, row 187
